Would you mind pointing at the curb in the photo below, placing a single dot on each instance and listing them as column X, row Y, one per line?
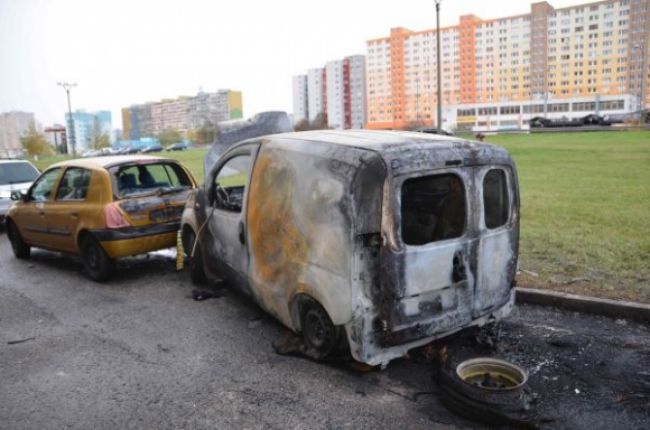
column 592, row 305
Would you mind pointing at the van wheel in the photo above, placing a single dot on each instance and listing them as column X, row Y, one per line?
column 99, row 266
column 319, row 333
column 21, row 249
column 197, row 274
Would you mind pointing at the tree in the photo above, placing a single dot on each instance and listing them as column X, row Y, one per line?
column 203, row 135
column 169, row 136
column 319, row 123
column 99, row 139
column 35, row 142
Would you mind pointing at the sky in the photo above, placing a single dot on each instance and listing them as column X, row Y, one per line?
column 123, row 52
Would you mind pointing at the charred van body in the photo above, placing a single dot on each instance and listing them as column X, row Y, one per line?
column 390, row 239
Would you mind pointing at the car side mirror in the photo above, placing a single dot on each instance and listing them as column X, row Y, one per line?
column 17, row 195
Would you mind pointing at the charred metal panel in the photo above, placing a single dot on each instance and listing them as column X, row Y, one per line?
column 231, row 132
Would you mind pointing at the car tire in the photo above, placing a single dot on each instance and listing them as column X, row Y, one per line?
column 21, row 250
column 320, row 335
column 99, row 266
column 197, row 274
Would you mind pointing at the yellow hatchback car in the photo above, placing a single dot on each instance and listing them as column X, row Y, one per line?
column 101, row 209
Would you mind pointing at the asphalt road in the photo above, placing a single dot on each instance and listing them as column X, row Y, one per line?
column 139, row 353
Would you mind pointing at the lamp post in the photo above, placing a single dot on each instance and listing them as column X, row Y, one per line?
column 67, row 87
column 439, row 97
column 641, row 48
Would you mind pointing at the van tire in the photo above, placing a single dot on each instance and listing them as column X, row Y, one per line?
column 197, row 274
column 319, row 334
column 99, row 266
column 21, row 250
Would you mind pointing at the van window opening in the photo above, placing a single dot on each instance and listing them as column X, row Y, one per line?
column 433, row 209
column 230, row 183
column 496, row 204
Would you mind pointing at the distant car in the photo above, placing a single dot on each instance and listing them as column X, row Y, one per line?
column 91, row 153
column 180, row 146
column 15, row 176
column 151, row 148
column 101, row 209
column 438, row 131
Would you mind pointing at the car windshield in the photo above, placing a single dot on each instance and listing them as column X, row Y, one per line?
column 152, row 178
column 16, row 173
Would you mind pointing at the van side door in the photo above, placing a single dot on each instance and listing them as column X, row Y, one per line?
column 227, row 192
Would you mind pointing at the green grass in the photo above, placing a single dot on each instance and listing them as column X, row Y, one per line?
column 585, row 209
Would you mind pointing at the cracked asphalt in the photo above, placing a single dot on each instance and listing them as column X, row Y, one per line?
column 139, row 353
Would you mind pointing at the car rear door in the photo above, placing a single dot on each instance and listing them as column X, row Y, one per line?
column 64, row 213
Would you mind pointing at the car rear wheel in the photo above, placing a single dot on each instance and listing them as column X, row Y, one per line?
column 99, row 266
column 319, row 333
column 197, row 274
column 20, row 248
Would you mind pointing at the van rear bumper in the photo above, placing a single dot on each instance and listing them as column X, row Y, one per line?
column 400, row 342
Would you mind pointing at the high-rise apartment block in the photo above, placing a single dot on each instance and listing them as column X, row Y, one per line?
column 88, row 126
column 182, row 114
column 300, row 108
column 336, row 91
column 501, row 72
column 12, row 126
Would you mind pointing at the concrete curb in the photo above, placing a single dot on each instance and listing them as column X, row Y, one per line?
column 593, row 305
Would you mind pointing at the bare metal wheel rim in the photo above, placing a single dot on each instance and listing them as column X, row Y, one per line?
column 318, row 329
column 492, row 374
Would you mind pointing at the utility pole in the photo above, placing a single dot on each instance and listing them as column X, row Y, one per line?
column 67, row 87
column 642, row 52
column 438, row 64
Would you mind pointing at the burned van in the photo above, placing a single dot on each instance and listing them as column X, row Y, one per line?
column 385, row 239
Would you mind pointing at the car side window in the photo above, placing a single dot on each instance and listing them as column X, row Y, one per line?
column 42, row 189
column 230, row 182
column 74, row 184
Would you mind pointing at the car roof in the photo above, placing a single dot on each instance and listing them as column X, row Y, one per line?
column 13, row 160
column 109, row 161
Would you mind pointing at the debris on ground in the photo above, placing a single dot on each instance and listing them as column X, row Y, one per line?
column 15, row 342
column 199, row 295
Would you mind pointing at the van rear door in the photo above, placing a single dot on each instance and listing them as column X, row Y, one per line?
column 430, row 273
column 498, row 238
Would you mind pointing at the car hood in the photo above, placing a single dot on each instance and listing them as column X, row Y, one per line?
column 7, row 189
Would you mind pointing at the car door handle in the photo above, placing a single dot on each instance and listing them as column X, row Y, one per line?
column 42, row 213
column 242, row 233
column 74, row 214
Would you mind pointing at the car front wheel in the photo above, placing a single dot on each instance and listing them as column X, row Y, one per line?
column 20, row 248
column 97, row 263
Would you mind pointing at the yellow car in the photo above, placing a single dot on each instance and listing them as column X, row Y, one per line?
column 101, row 209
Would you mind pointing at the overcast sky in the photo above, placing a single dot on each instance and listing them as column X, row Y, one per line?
column 122, row 52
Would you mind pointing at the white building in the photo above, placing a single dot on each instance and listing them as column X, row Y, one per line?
column 357, row 78
column 335, row 90
column 315, row 92
column 12, row 126
column 300, row 99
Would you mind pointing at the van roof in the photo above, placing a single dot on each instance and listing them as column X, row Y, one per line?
column 376, row 140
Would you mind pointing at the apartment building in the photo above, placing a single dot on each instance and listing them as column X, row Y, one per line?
column 548, row 62
column 183, row 113
column 336, row 91
column 300, row 98
column 86, row 127
column 12, row 126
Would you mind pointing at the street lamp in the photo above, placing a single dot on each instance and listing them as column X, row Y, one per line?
column 641, row 48
column 67, row 87
column 438, row 64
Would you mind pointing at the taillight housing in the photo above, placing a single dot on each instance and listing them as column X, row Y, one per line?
column 114, row 216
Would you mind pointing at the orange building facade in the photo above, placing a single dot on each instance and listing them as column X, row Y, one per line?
column 581, row 54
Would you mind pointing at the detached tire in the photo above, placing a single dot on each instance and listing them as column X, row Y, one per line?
column 319, row 333
column 197, row 274
column 21, row 250
column 99, row 266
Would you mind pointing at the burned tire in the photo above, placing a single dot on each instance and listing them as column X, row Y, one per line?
column 99, row 266
column 21, row 249
column 319, row 333
column 197, row 274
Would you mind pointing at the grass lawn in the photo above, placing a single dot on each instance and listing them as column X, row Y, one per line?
column 585, row 217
